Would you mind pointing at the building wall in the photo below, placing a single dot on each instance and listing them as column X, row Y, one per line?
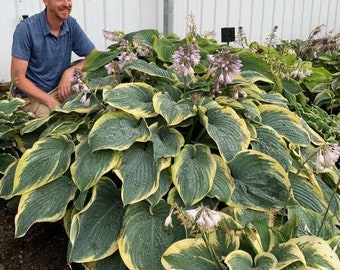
column 295, row 18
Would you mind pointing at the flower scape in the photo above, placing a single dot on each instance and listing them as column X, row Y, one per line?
column 183, row 153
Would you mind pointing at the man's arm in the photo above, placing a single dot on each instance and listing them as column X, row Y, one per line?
column 18, row 75
column 64, row 86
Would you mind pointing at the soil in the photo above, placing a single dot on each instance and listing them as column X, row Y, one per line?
column 44, row 247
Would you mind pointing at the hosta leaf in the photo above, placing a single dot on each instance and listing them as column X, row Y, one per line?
column 285, row 122
column 223, row 185
column 139, row 173
column 254, row 76
column 173, row 112
column 8, row 107
column 306, row 194
column 193, row 173
column 288, row 254
column 317, row 252
column 145, row 35
column 117, row 131
column 148, row 68
column 240, row 259
column 311, row 222
column 34, row 124
column 64, row 125
column 260, row 236
column 167, row 141
column 144, row 237
column 163, row 188
column 5, row 160
column 188, row 254
column 89, row 166
column 6, row 182
column 99, row 58
column 74, row 104
column 112, row 262
column 254, row 63
column 134, row 98
column 165, row 48
column 95, row 229
column 260, row 181
column 246, row 215
column 227, row 129
column 269, row 142
column 47, row 160
column 45, row 204
column 334, row 243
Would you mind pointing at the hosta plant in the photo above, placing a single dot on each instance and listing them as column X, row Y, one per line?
column 180, row 154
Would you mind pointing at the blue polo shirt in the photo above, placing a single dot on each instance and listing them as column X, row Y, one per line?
column 48, row 56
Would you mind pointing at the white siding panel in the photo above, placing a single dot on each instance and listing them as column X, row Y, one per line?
column 295, row 18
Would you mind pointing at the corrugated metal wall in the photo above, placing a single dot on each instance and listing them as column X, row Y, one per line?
column 295, row 18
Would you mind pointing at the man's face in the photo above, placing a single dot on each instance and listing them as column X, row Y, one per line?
column 61, row 9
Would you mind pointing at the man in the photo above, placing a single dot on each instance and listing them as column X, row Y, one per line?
column 41, row 56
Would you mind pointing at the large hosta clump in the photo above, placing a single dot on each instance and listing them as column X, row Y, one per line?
column 180, row 154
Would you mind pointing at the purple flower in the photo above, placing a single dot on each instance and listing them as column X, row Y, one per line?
column 185, row 59
column 224, row 66
column 142, row 48
column 115, row 36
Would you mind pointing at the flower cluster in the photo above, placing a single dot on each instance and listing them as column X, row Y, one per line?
column 114, row 36
column 79, row 86
column 240, row 40
column 116, row 66
column 185, row 59
column 142, row 49
column 327, row 155
column 224, row 66
column 201, row 218
column 204, row 218
column 272, row 40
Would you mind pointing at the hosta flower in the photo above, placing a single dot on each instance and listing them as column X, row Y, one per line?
column 185, row 59
column 142, row 49
column 327, row 155
column 79, row 86
column 126, row 57
column 224, row 66
column 204, row 218
column 115, row 36
column 301, row 73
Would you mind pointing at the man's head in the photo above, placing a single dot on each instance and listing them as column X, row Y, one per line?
column 59, row 9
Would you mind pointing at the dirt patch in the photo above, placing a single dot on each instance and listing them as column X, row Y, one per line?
column 44, row 247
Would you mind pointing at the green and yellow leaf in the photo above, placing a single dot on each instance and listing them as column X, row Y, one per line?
column 33, row 205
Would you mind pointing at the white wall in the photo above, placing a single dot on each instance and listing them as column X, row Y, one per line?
column 295, row 18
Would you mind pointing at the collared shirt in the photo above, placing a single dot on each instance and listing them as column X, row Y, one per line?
column 48, row 56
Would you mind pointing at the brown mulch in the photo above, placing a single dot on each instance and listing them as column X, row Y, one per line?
column 44, row 247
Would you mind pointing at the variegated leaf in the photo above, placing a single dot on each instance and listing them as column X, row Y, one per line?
column 133, row 98
column 95, row 229
column 48, row 159
column 117, row 131
column 33, row 205
column 144, row 237
column 193, row 173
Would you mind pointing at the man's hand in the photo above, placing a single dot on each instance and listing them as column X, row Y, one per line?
column 64, row 87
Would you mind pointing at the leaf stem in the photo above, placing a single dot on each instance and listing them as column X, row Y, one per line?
column 328, row 206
